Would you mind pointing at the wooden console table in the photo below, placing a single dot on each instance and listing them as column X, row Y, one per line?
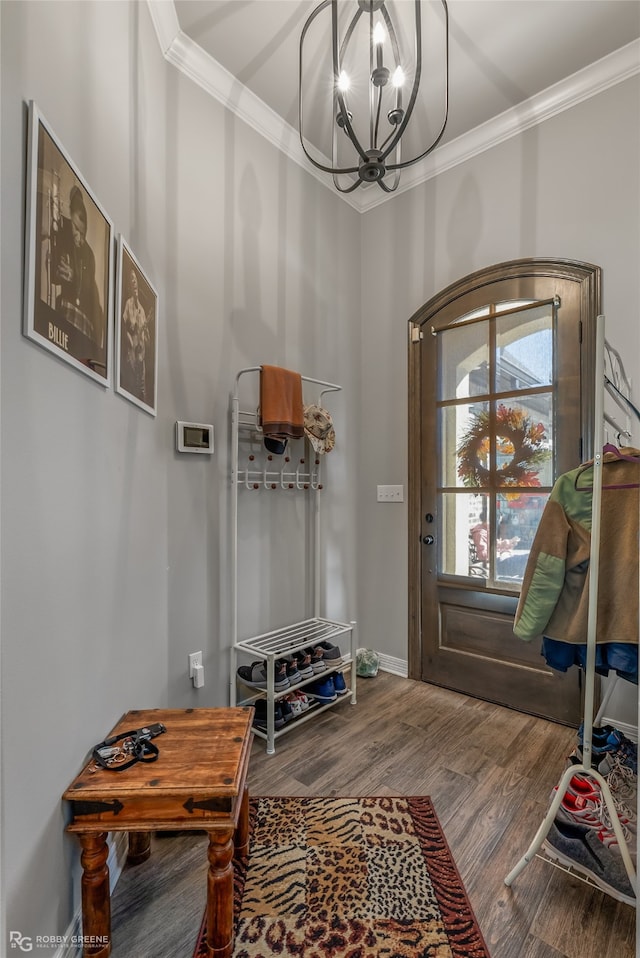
column 197, row 783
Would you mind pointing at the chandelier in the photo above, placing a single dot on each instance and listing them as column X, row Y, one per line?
column 376, row 66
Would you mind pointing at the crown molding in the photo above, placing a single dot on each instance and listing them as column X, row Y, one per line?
column 188, row 57
column 181, row 51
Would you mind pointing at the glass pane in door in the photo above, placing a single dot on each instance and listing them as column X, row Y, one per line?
column 465, row 539
column 521, row 438
column 454, row 424
column 496, row 433
column 464, row 362
column 489, row 537
column 524, row 349
column 502, row 443
column 517, row 519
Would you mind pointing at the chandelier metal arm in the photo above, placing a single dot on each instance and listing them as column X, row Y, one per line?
column 374, row 142
column 414, row 92
column 399, row 132
column 430, row 149
column 346, row 117
column 321, row 166
column 345, row 189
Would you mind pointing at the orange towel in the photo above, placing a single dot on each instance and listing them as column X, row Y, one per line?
column 281, row 411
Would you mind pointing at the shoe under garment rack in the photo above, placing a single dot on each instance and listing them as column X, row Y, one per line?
column 262, row 471
column 604, row 354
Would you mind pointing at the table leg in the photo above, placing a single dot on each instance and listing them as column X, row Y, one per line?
column 139, row 847
column 241, row 838
column 220, row 894
column 96, row 901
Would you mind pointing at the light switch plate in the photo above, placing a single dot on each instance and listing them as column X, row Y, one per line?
column 390, row 493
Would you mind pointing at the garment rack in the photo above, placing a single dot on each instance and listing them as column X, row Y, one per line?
column 305, row 475
column 604, row 353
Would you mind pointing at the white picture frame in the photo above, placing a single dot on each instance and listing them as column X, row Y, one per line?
column 136, row 332
column 69, row 256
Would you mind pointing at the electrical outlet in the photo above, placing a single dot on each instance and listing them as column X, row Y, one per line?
column 196, row 669
column 390, row 493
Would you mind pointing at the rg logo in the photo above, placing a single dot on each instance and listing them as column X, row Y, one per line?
column 17, row 940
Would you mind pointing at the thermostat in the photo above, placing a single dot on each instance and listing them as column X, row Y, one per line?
column 194, row 437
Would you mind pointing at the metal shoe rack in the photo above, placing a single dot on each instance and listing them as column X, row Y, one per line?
column 254, row 468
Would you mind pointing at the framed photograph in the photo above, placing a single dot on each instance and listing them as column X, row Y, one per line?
column 136, row 332
column 68, row 270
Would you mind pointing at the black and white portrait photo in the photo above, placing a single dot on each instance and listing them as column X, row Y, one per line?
column 69, row 258
column 136, row 332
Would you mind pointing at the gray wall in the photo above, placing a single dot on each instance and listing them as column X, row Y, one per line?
column 114, row 548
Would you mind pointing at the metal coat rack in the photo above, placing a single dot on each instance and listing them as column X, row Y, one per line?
column 258, row 470
column 609, row 372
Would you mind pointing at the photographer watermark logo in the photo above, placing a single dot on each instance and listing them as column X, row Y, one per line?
column 29, row 942
column 18, row 940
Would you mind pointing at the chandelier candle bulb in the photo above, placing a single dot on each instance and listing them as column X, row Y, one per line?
column 378, row 39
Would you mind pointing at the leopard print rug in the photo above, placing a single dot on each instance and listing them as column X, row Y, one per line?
column 349, row 878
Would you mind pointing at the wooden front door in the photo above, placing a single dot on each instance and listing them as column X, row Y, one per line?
column 497, row 412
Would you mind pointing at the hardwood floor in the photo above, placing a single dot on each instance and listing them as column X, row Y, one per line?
column 489, row 771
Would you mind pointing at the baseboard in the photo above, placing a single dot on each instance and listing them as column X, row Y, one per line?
column 388, row 663
column 71, row 946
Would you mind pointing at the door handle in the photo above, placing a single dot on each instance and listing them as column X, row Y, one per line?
column 428, row 540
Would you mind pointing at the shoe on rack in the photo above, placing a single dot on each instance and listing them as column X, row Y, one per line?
column 627, row 753
column 294, row 704
column 302, row 700
column 607, row 742
column 260, row 718
column 578, row 847
column 339, row 683
column 317, row 659
column 254, row 675
column 623, row 793
column 608, row 738
column 330, row 653
column 280, row 678
column 604, row 758
column 322, row 691
column 291, row 670
column 287, row 709
column 622, row 781
column 303, row 661
column 592, row 812
column 600, row 734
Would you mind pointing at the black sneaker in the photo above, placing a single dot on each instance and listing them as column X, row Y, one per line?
column 317, row 659
column 280, row 678
column 260, row 718
column 254, row 675
column 303, row 661
column 291, row 670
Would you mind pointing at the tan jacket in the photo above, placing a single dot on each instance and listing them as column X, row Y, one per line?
column 555, row 591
